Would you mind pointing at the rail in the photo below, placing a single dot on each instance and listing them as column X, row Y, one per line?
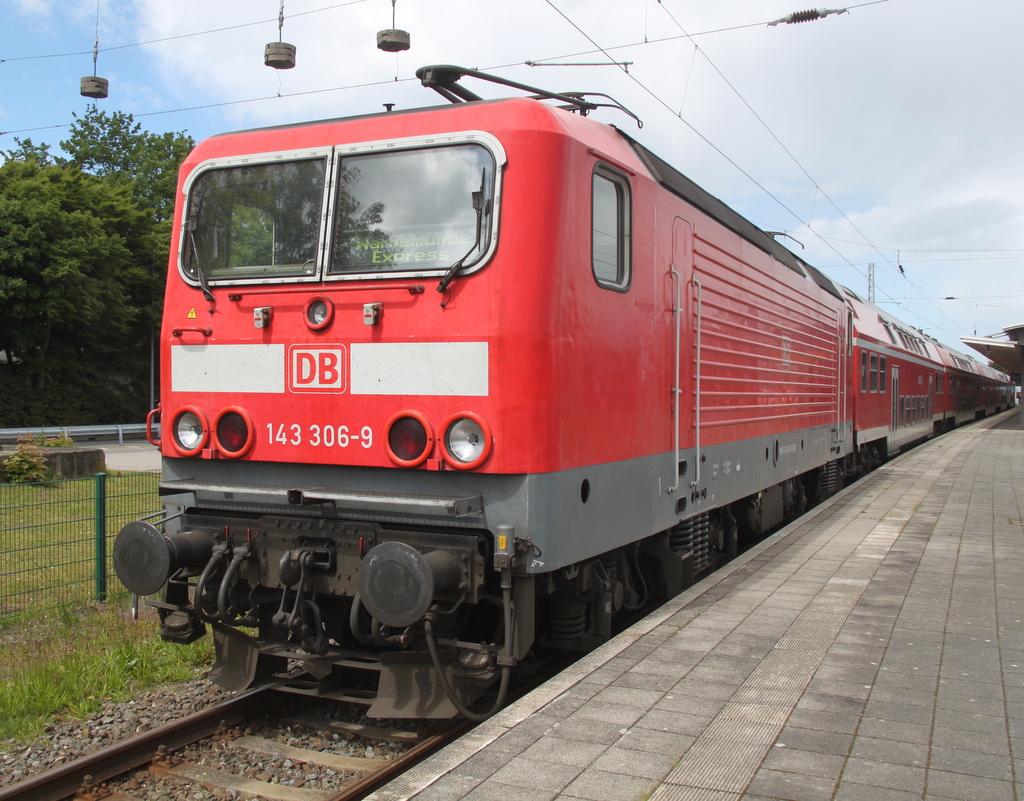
column 83, row 777
column 12, row 435
column 65, row 780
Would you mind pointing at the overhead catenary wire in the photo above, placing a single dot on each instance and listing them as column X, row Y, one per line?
column 181, row 35
column 689, row 125
column 802, row 17
column 883, row 258
column 598, row 49
column 781, row 144
column 750, row 177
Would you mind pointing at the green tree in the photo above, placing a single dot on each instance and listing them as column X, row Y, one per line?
column 84, row 240
column 114, row 146
column 76, row 254
column 27, row 151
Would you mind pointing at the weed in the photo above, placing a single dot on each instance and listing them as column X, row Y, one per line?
column 27, row 465
column 62, row 440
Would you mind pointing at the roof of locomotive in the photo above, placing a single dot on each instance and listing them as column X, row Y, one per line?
column 352, row 118
column 667, row 175
column 673, row 180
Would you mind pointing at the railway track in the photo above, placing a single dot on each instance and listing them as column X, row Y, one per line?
column 192, row 755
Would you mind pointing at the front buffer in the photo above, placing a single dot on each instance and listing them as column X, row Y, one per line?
column 411, row 623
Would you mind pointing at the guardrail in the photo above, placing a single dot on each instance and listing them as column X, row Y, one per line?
column 79, row 433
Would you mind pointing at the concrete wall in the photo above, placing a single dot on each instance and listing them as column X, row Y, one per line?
column 68, row 462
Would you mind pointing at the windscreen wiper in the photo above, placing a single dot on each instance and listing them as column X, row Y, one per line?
column 200, row 275
column 478, row 207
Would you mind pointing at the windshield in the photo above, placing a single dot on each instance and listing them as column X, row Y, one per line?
column 412, row 209
column 255, row 221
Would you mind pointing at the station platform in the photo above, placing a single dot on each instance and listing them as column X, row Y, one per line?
column 873, row 649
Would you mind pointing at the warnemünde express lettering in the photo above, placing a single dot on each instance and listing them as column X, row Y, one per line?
column 412, row 248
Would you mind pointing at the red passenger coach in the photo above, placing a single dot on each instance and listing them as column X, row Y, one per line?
column 445, row 390
column 910, row 386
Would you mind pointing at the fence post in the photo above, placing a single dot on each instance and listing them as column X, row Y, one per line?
column 101, row 537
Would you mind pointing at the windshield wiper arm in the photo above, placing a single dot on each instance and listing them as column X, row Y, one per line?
column 203, row 283
column 478, row 206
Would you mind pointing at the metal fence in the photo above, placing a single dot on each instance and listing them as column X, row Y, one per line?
column 56, row 538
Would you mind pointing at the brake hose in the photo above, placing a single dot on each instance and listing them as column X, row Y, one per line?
column 353, row 621
column 506, row 670
column 215, row 557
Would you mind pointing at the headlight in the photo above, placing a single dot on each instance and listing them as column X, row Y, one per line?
column 467, row 440
column 409, row 439
column 233, row 432
column 189, row 431
column 319, row 312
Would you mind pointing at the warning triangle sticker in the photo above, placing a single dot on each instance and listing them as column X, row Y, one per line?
column 191, row 314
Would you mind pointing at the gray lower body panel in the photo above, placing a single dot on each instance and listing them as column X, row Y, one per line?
column 570, row 516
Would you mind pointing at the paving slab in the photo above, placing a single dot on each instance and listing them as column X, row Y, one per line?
column 873, row 650
column 133, row 456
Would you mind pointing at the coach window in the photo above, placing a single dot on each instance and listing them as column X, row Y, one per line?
column 874, row 372
column 611, row 229
column 881, row 374
column 863, row 371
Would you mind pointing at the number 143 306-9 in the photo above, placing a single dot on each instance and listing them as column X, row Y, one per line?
column 318, row 436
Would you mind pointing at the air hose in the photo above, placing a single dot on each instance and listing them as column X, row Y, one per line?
column 506, row 670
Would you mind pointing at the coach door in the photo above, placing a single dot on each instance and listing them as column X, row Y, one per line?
column 844, row 352
column 684, row 384
column 929, row 413
column 894, row 423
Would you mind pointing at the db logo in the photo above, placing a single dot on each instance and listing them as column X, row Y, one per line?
column 317, row 369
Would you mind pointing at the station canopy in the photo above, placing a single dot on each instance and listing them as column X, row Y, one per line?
column 1003, row 353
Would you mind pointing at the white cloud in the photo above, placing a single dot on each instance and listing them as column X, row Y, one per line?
column 904, row 113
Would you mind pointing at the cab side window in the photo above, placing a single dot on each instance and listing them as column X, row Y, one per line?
column 612, row 229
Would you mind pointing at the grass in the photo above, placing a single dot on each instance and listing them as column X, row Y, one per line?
column 55, row 662
column 66, row 664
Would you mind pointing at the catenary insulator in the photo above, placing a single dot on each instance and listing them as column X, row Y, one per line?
column 804, row 16
column 808, row 15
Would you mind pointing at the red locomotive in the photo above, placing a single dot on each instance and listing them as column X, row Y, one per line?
column 446, row 388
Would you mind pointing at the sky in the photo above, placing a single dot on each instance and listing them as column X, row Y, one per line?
column 888, row 135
